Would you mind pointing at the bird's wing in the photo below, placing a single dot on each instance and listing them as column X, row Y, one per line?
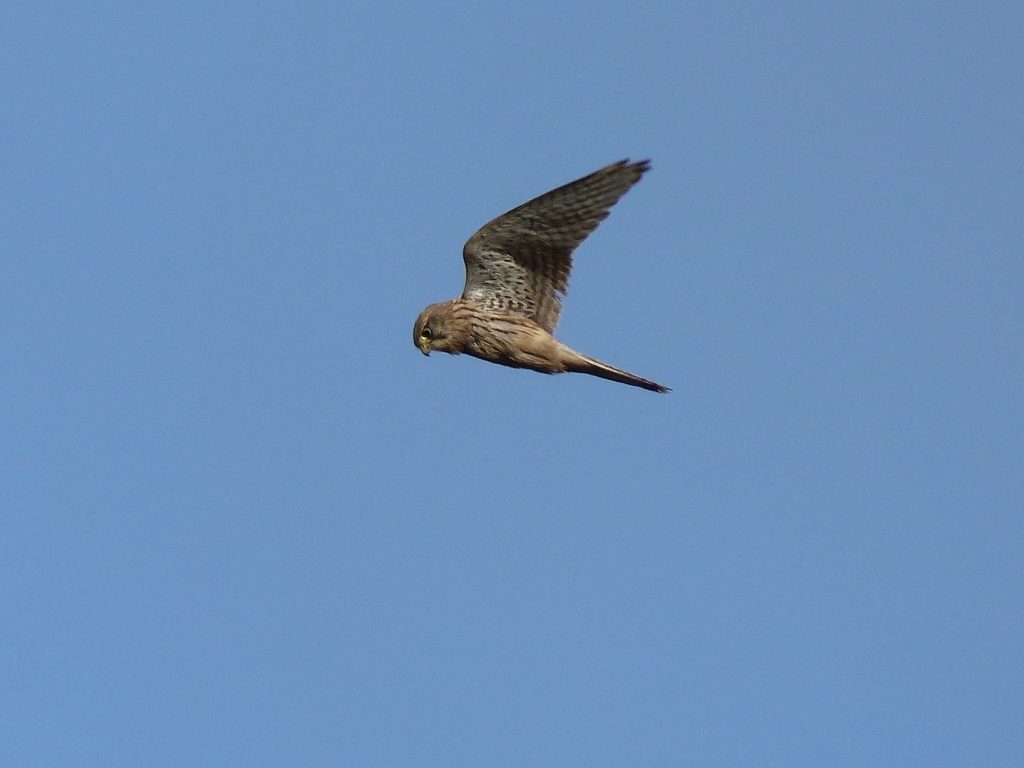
column 520, row 261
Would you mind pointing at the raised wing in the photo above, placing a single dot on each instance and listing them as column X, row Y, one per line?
column 521, row 260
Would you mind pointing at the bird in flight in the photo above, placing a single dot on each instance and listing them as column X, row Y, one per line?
column 517, row 270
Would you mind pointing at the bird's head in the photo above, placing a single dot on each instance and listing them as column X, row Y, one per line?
column 430, row 330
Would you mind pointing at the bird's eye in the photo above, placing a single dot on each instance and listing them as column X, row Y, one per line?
column 425, row 333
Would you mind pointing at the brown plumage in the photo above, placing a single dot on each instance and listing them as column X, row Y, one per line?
column 517, row 270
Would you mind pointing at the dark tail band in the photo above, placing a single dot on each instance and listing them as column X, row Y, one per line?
column 604, row 371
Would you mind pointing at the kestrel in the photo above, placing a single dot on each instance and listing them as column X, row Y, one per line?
column 517, row 270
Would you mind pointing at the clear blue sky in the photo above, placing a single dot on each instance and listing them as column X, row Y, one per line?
column 245, row 522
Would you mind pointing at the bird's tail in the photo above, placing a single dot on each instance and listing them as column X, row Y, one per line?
column 594, row 367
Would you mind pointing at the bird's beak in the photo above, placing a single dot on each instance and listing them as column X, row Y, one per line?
column 424, row 347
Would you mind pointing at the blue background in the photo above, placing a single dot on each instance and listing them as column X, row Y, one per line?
column 245, row 522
